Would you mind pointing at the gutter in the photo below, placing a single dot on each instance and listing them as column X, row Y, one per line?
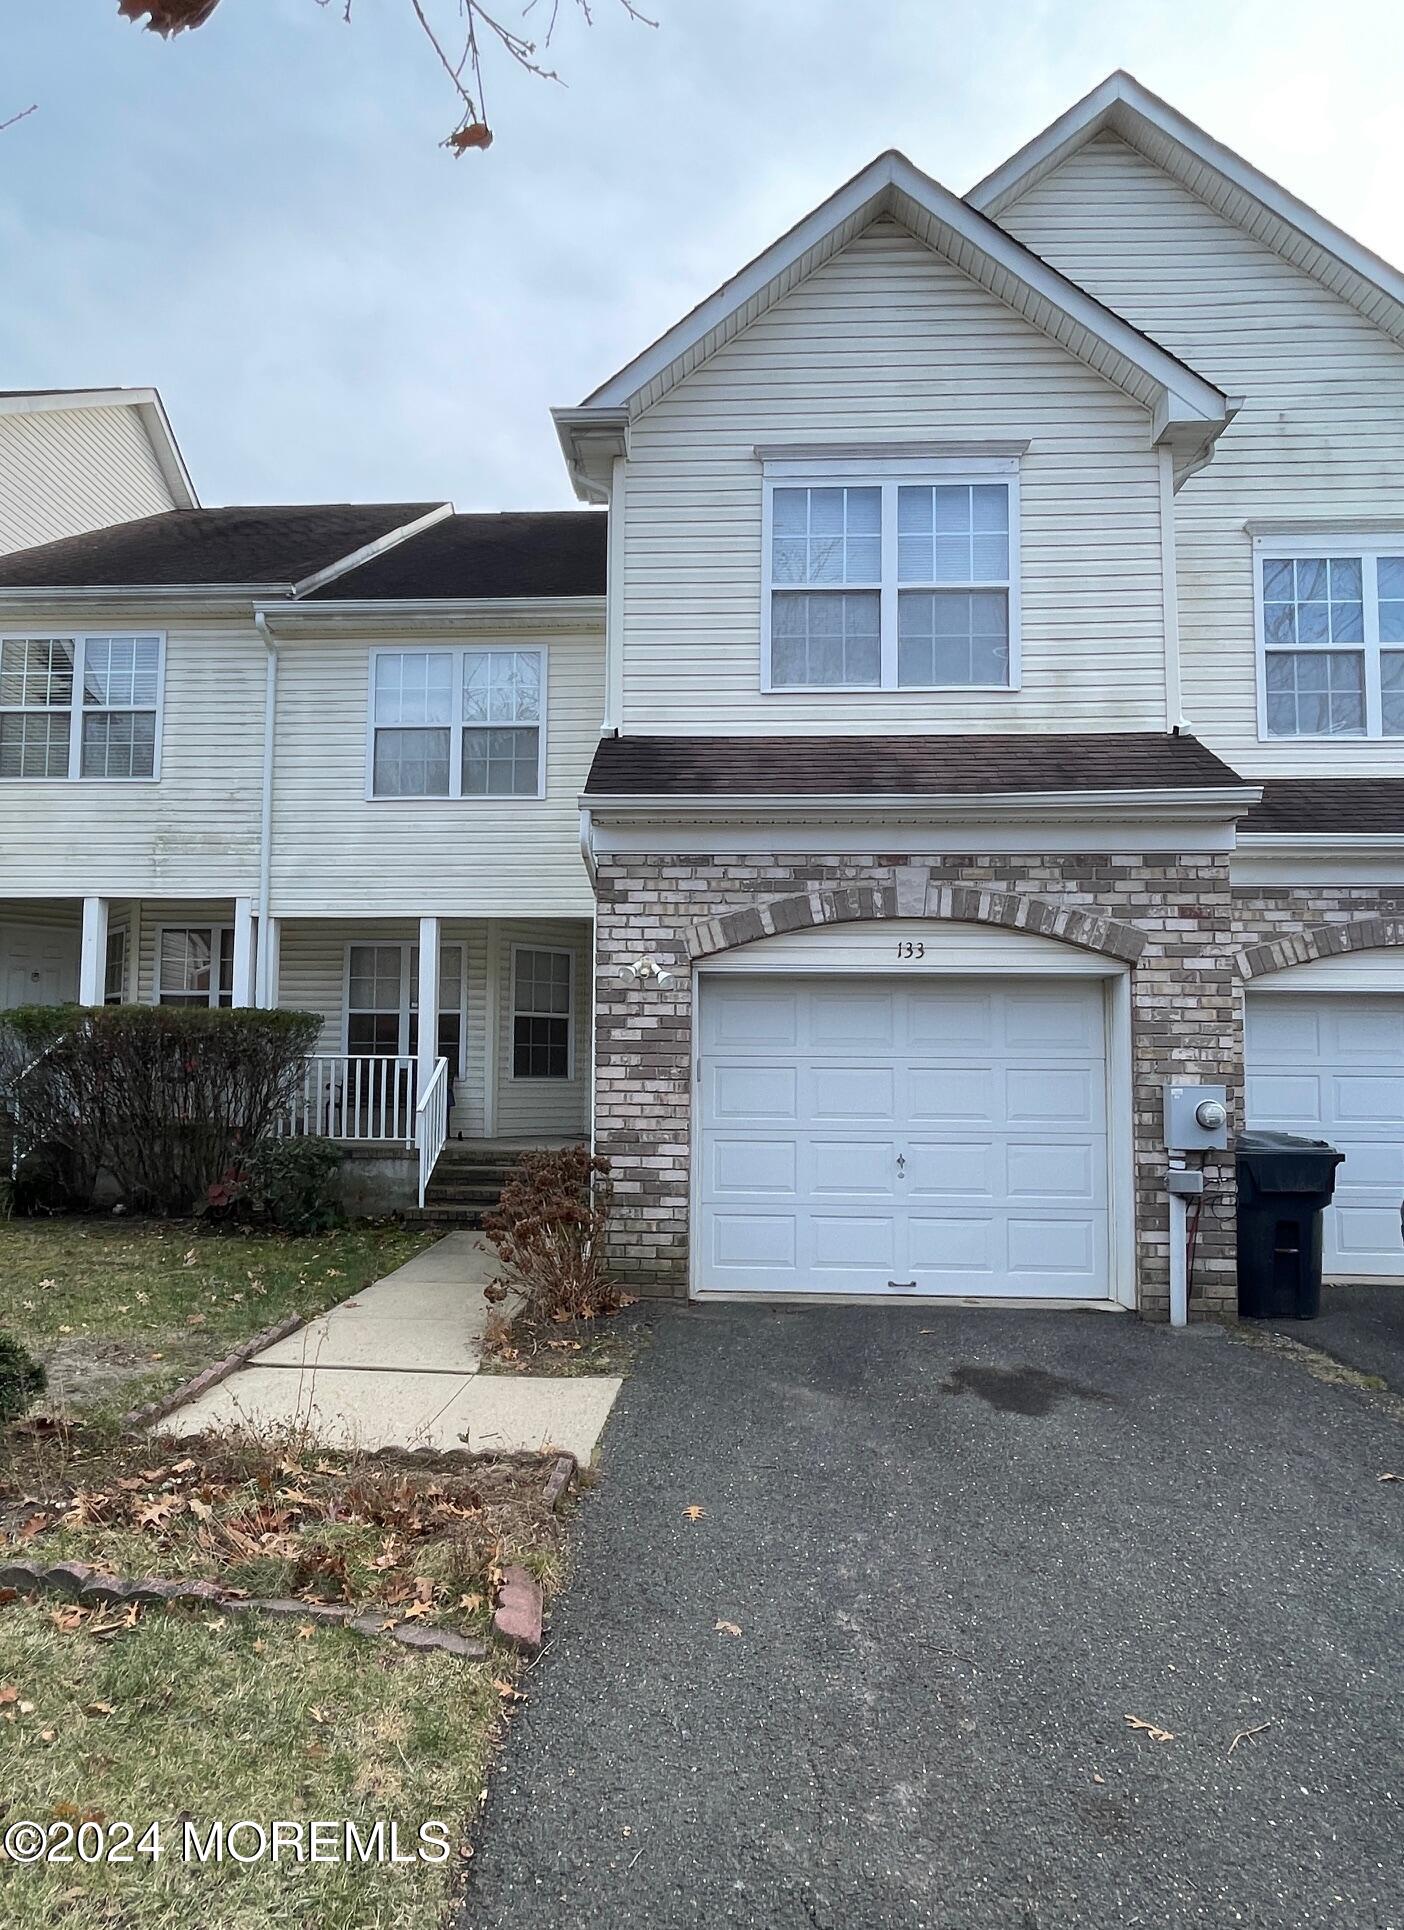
column 264, row 974
column 1200, row 801
column 587, row 844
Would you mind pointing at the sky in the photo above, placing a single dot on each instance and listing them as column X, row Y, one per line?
column 257, row 218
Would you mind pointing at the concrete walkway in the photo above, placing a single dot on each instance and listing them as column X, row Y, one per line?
column 398, row 1366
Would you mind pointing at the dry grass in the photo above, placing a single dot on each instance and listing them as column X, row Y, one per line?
column 221, row 1718
column 523, row 1343
column 120, row 1310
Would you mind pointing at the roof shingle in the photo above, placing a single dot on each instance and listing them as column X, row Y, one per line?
column 263, row 543
column 901, row 766
column 555, row 552
column 1373, row 806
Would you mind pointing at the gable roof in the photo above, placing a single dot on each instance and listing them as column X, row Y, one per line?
column 515, row 553
column 266, row 547
column 151, row 413
column 1223, row 180
column 1188, row 410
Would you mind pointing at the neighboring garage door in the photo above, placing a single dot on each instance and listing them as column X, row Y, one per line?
column 1331, row 1065
column 936, row 1135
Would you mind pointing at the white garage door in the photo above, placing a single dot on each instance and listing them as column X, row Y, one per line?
column 940, row 1136
column 1332, row 1066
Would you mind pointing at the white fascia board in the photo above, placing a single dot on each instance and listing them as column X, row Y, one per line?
column 1121, row 105
column 292, row 617
column 873, row 192
column 1318, row 841
column 369, row 551
column 165, row 448
column 27, row 593
column 1216, row 802
column 49, row 400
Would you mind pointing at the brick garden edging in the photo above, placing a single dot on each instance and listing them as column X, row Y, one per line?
column 211, row 1376
column 75, row 1581
column 558, row 1480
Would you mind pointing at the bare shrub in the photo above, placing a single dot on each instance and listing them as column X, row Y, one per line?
column 548, row 1230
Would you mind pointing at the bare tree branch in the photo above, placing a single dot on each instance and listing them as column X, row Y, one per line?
column 22, row 115
column 476, row 27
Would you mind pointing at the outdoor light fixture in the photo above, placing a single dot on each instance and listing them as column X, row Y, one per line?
column 642, row 968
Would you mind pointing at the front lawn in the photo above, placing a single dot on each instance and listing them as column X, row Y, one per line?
column 119, row 1310
column 226, row 1718
column 156, row 1715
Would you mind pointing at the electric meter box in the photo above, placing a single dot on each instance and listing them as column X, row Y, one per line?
column 1196, row 1118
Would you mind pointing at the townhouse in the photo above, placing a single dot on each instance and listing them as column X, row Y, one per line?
column 971, row 699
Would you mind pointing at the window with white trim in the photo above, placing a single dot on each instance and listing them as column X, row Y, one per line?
column 114, row 981
column 382, row 1002
column 542, row 1010
column 895, row 583
column 457, row 723
column 80, row 706
column 195, row 965
column 1331, row 638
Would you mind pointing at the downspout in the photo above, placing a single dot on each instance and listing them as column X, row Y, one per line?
column 263, row 988
column 587, row 852
column 1170, row 594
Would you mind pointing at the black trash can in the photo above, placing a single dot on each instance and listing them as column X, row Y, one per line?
column 1284, row 1185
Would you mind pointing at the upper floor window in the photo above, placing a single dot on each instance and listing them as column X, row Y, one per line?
column 80, row 706
column 893, row 583
column 1332, row 640
column 457, row 723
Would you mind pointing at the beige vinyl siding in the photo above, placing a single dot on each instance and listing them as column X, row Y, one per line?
column 63, row 471
column 544, row 1107
column 334, row 848
column 195, row 830
column 1320, row 435
column 889, row 342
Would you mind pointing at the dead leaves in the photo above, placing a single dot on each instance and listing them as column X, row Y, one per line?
column 694, row 1513
column 1150, row 1730
column 726, row 1628
column 1244, row 1734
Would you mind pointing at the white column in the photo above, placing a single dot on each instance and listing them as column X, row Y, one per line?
column 92, row 952
column 243, row 993
column 269, row 957
column 492, row 1022
column 428, row 1000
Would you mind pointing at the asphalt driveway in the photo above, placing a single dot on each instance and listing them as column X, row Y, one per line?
column 961, row 1549
column 1361, row 1325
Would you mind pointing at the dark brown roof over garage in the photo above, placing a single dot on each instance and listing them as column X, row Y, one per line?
column 262, row 544
column 1369, row 806
column 554, row 552
column 901, row 766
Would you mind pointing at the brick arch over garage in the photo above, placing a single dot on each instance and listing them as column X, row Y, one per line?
column 1320, row 941
column 917, row 894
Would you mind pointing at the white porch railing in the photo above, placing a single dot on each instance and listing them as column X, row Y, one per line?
column 353, row 1096
column 431, row 1123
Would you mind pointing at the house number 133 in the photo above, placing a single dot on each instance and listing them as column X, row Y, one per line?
column 907, row 948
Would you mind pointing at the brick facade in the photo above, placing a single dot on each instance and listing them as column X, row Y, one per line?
column 1282, row 925
column 1167, row 916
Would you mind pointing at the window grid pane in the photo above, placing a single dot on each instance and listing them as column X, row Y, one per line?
column 33, row 744
column 952, row 637
column 1313, row 600
column 1315, row 693
column 953, row 533
column 119, row 743
column 826, row 637
column 411, row 763
column 502, row 687
column 501, row 762
column 1392, row 692
column 37, row 672
column 184, row 967
column 826, row 536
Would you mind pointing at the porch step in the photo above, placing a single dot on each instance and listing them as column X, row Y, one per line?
column 428, row 1215
column 469, row 1176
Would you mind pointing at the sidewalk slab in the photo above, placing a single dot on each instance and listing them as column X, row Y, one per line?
column 457, row 1257
column 334, row 1407
column 351, row 1337
column 508, row 1414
